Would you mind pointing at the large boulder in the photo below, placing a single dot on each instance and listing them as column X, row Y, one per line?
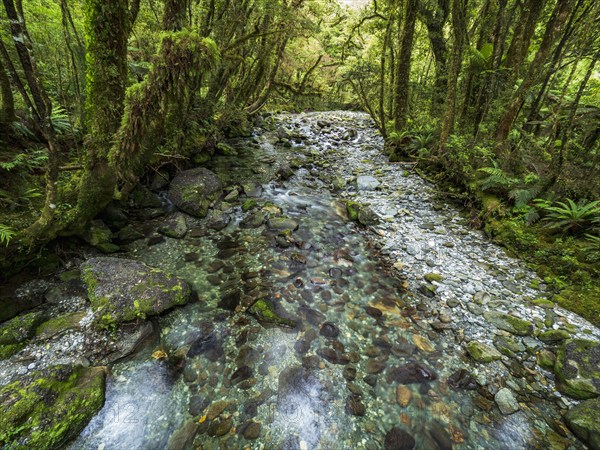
column 578, row 368
column 121, row 290
column 48, row 408
column 194, row 191
column 584, row 421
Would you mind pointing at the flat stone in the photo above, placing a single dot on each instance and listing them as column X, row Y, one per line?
column 506, row 401
column 482, row 353
column 509, row 323
column 367, row 183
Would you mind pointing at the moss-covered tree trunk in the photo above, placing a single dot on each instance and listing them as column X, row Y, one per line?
column 175, row 14
column 7, row 102
column 554, row 27
column 401, row 93
column 107, row 26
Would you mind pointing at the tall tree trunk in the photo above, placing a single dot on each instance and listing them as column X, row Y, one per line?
column 554, row 27
column 43, row 121
column 401, row 94
column 382, row 81
column 7, row 102
column 519, row 46
column 175, row 15
column 107, row 28
column 459, row 11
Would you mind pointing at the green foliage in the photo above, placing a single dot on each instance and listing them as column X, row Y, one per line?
column 571, row 217
column 26, row 162
column 496, row 179
column 6, row 234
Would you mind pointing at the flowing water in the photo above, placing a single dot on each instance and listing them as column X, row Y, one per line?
column 368, row 352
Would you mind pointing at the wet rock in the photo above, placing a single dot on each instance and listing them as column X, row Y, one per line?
column 506, row 401
column 15, row 333
column 403, row 395
column 349, row 373
column 219, row 221
column 174, row 226
column 129, row 234
column 183, row 438
column 552, row 337
column 230, row 300
column 367, row 183
column 155, row 240
column 584, row 421
column 122, row 290
column 509, row 323
column 441, row 436
column 578, row 368
column 310, row 362
column 216, row 409
column 215, row 266
column 27, row 296
column 251, row 430
column 241, row 374
column 329, row 330
column 333, row 356
column 508, row 346
column 47, row 408
column 197, row 405
column 283, row 223
column 220, row 427
column 546, row 359
column 371, row 380
column 354, row 405
column 375, row 366
column 482, row 353
column 462, row 379
column 253, row 220
column 264, row 311
column 207, row 344
column 409, row 373
column 373, row 312
column 129, row 338
column 398, row 439
column 195, row 191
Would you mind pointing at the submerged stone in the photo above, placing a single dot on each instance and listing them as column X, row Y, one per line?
column 264, row 311
column 412, row 372
column 398, row 439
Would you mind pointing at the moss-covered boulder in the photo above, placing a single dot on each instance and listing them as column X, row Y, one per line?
column 46, row 409
column 283, row 223
column 584, row 421
column 15, row 333
column 264, row 312
column 482, row 353
column 509, row 323
column 121, row 290
column 552, row 337
column 578, row 368
column 361, row 214
column 195, row 191
column 174, row 226
column 60, row 324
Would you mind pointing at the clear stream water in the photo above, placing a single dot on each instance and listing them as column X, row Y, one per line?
column 333, row 381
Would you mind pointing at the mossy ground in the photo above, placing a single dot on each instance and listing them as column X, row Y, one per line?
column 564, row 263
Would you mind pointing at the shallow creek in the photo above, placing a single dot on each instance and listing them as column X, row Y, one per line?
column 375, row 346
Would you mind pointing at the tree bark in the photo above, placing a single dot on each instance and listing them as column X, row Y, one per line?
column 107, row 27
column 459, row 11
column 175, row 15
column 7, row 102
column 401, row 94
column 554, row 27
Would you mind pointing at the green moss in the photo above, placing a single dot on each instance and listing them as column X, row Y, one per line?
column 353, row 209
column 249, row 204
column 47, row 408
column 433, row 277
column 15, row 333
column 482, row 353
column 264, row 311
column 59, row 324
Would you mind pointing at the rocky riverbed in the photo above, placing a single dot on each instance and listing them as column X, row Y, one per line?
column 298, row 292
